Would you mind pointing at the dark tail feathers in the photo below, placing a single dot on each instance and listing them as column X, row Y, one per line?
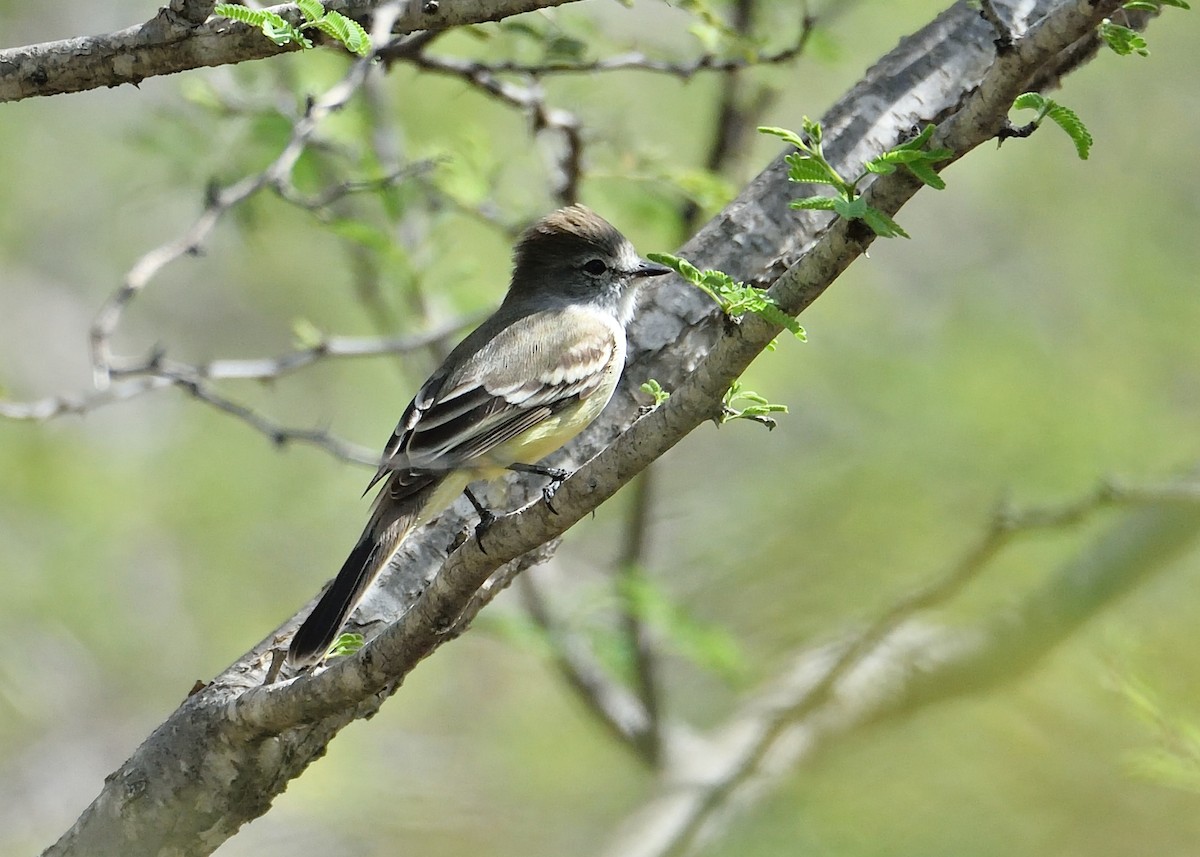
column 321, row 627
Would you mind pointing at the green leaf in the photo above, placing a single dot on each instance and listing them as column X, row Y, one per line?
column 881, row 224
column 1140, row 6
column 1064, row 117
column 759, row 409
column 310, row 9
column 813, row 203
column 345, row 644
column 282, row 35
column 305, row 333
column 1067, row 119
column 1030, row 101
column 1122, row 40
column 851, row 209
column 919, row 141
column 735, row 299
column 784, row 134
column 1178, row 4
column 237, row 12
column 656, row 391
column 682, row 267
column 812, row 130
column 804, row 168
column 772, row 313
column 923, row 171
column 345, row 30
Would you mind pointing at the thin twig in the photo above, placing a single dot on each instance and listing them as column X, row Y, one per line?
column 219, row 202
column 622, row 712
column 638, row 638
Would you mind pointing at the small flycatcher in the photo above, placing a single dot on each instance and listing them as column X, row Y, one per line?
column 527, row 380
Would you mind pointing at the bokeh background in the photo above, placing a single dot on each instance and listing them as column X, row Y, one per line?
column 1037, row 334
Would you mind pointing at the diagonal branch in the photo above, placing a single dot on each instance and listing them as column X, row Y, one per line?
column 899, row 664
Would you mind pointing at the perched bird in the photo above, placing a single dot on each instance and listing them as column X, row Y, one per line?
column 526, row 381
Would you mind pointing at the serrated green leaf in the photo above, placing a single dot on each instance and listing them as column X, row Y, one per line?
column 882, row 166
column 901, row 156
column 1030, row 101
column 310, row 9
column 806, row 169
column 346, row 31
column 919, row 141
column 923, row 171
column 851, row 209
column 237, row 12
column 881, row 224
column 813, row 203
column 279, row 35
column 1066, row 119
column 1122, row 40
column 680, row 266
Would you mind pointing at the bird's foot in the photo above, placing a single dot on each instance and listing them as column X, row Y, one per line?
column 486, row 518
column 556, row 475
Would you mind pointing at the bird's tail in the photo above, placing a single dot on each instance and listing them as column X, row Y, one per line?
column 362, row 566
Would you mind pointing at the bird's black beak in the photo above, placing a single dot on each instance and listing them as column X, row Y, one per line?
column 649, row 269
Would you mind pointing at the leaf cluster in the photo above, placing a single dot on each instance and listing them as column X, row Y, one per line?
column 1123, row 40
column 656, row 392
column 735, row 299
column 809, row 165
column 742, row 404
column 282, row 32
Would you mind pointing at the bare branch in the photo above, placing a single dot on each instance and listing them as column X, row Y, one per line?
column 632, row 61
column 278, row 435
column 530, row 98
column 623, row 713
column 898, row 663
column 637, row 636
column 173, row 41
column 277, row 175
column 81, row 403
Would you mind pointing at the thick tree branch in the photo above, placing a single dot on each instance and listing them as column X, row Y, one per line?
column 174, row 41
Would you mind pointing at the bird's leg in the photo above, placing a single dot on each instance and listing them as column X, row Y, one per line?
column 556, row 476
column 486, row 518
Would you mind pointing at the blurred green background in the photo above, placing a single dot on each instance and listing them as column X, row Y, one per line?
column 1037, row 334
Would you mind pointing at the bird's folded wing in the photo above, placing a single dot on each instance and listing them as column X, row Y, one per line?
column 525, row 374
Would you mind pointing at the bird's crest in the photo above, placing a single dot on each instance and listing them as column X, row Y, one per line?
column 565, row 233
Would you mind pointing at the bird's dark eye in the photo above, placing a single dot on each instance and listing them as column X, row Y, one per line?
column 595, row 267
